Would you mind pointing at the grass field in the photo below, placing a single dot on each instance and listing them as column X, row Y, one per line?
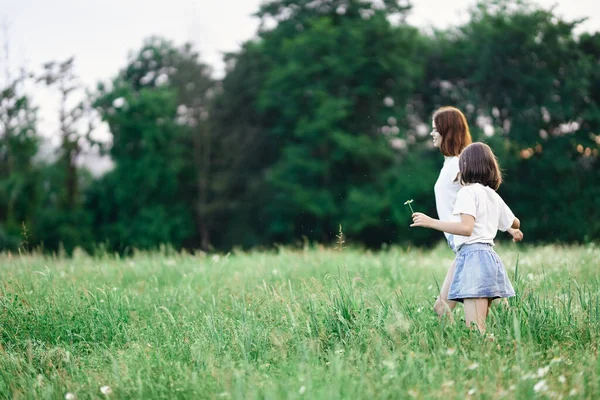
column 318, row 324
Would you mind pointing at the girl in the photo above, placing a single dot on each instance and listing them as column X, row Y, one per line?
column 479, row 276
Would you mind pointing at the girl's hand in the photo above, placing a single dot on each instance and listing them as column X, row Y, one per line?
column 516, row 234
column 420, row 219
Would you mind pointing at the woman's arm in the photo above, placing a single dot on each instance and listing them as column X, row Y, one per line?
column 462, row 228
column 516, row 224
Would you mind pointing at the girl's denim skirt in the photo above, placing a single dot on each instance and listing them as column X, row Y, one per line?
column 479, row 273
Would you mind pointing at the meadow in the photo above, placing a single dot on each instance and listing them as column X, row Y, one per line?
column 318, row 323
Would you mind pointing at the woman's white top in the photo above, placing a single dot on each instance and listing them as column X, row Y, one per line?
column 490, row 211
column 446, row 189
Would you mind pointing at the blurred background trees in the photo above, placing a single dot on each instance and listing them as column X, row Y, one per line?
column 322, row 119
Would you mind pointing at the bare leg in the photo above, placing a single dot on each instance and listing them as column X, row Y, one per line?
column 476, row 311
column 443, row 306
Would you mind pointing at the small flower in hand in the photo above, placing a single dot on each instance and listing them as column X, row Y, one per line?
column 407, row 203
column 420, row 219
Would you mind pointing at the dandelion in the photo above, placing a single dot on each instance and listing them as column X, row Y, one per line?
column 302, row 390
column 407, row 203
column 541, row 386
column 562, row 379
column 473, row 366
column 105, row 390
column 70, row 396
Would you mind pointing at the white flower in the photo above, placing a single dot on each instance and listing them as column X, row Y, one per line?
column 302, row 389
column 541, row 386
column 70, row 396
column 451, row 351
column 105, row 390
column 473, row 366
column 542, row 371
column 388, row 101
column 573, row 392
column 562, row 379
column 472, row 391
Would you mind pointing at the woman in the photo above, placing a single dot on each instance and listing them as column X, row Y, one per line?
column 451, row 135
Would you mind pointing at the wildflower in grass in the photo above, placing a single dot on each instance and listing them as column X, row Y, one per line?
column 472, row 391
column 473, row 366
column 573, row 392
column 562, row 379
column 541, row 386
column 70, row 396
column 407, row 203
column 412, row 393
column 105, row 390
column 302, row 390
column 541, row 372
column 451, row 352
column 555, row 360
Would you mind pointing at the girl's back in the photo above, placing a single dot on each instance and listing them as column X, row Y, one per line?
column 489, row 210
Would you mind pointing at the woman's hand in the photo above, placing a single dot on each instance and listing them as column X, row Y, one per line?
column 420, row 219
column 516, row 234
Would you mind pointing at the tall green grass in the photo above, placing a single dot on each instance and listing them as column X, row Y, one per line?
column 315, row 323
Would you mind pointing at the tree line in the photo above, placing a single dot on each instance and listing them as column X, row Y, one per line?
column 321, row 120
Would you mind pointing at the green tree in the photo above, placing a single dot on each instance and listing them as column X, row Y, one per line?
column 20, row 179
column 62, row 219
column 335, row 96
column 157, row 111
column 527, row 83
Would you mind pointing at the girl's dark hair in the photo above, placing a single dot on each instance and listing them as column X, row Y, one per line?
column 477, row 164
column 452, row 125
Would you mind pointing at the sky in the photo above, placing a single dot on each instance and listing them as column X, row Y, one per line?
column 101, row 33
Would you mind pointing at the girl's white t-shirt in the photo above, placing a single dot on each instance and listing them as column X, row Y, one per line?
column 490, row 211
column 446, row 188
